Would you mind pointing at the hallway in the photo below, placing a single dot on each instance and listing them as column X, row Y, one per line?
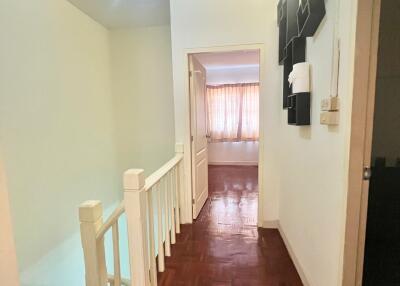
column 223, row 246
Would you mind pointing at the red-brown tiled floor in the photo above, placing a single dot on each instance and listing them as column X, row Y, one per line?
column 223, row 246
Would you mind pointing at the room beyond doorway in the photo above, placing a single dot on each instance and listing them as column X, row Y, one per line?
column 233, row 106
column 224, row 104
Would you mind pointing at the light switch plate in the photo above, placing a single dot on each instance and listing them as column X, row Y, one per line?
column 330, row 104
column 329, row 118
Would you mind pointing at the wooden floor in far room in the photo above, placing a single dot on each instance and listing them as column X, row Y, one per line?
column 224, row 246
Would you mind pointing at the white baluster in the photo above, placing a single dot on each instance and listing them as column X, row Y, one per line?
column 166, row 216
column 153, row 268
column 171, row 191
column 135, row 198
column 117, row 267
column 177, row 207
column 161, row 263
column 91, row 219
column 179, row 149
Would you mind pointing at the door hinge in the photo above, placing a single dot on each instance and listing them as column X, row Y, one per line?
column 367, row 173
column 190, row 73
column 191, row 138
column 193, row 201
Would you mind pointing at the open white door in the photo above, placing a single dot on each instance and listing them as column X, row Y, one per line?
column 198, row 133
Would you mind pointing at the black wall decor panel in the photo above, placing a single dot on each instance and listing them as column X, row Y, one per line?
column 295, row 53
column 282, row 23
column 296, row 22
column 292, row 27
column 299, row 109
column 309, row 15
column 298, row 50
column 287, row 69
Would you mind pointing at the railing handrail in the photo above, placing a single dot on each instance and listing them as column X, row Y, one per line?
column 149, row 183
column 111, row 220
column 162, row 187
column 160, row 173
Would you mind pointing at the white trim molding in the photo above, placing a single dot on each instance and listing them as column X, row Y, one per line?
column 270, row 224
column 233, row 163
column 293, row 256
column 275, row 224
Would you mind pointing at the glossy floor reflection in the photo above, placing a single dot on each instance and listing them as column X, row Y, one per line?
column 223, row 246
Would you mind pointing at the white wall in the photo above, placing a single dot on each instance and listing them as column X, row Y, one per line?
column 56, row 132
column 305, row 169
column 314, row 160
column 233, row 153
column 141, row 64
column 66, row 133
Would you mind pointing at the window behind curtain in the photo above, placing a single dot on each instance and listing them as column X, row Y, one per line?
column 233, row 112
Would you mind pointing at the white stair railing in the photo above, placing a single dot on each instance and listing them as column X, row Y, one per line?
column 153, row 219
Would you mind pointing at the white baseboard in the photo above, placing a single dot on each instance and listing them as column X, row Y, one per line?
column 274, row 224
column 271, row 224
column 233, row 163
column 293, row 256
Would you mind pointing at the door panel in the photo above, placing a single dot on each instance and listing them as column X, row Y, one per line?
column 382, row 241
column 201, row 181
column 198, row 133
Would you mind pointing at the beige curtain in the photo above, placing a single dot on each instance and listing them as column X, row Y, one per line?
column 233, row 112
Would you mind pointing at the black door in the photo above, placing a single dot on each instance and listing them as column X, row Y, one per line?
column 382, row 249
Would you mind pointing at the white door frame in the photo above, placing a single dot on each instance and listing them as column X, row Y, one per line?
column 187, row 196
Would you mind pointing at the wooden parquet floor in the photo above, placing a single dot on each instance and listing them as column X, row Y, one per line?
column 224, row 246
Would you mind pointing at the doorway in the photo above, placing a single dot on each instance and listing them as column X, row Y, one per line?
column 382, row 241
column 372, row 252
column 225, row 117
column 224, row 245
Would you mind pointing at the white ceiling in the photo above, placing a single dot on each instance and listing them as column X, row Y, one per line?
column 235, row 59
column 126, row 13
column 231, row 67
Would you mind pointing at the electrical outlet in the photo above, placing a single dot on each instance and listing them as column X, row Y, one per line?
column 329, row 118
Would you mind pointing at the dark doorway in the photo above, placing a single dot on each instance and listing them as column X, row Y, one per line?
column 382, row 247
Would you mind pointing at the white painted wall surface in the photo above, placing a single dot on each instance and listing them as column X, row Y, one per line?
column 314, row 160
column 233, row 153
column 305, row 169
column 141, row 63
column 56, row 132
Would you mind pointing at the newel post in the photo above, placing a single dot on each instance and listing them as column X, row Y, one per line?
column 136, row 215
column 179, row 148
column 91, row 219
